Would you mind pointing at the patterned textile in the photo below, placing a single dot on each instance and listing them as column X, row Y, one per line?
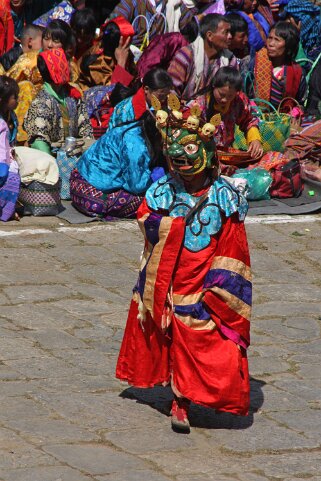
column 40, row 199
column 99, row 108
column 263, row 74
column 95, row 203
column 309, row 15
column 269, row 161
column 66, row 165
column 182, row 70
column 131, row 9
column 25, row 72
column 274, row 130
column 290, row 82
column 9, row 194
column 44, row 120
column 63, row 11
column 305, row 144
column 160, row 52
column 167, row 191
column 57, row 65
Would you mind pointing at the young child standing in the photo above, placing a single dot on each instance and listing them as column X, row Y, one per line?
column 9, row 172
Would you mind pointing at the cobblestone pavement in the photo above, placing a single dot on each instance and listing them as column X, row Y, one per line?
column 63, row 417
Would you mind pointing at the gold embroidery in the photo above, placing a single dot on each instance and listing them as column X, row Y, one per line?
column 233, row 265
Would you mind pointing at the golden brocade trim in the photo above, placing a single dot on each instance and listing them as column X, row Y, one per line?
column 186, row 300
column 153, row 264
column 233, row 302
column 234, row 265
column 197, row 324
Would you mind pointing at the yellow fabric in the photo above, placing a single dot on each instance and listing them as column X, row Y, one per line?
column 27, row 92
column 253, row 134
column 25, row 72
column 26, row 68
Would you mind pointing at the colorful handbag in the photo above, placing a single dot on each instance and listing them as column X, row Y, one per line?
column 287, row 180
column 40, row 199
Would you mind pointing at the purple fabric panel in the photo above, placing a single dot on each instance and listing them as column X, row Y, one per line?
column 9, row 193
column 152, row 228
column 232, row 282
column 197, row 311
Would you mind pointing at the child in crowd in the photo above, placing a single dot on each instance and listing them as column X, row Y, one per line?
column 9, row 175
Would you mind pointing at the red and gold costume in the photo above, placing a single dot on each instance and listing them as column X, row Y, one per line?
column 188, row 323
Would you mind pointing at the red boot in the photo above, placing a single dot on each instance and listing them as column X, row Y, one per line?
column 179, row 414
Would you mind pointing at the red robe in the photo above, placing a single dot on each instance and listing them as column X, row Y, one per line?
column 6, row 27
column 207, row 363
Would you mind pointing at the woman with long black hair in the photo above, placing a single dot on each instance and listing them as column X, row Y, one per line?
column 113, row 175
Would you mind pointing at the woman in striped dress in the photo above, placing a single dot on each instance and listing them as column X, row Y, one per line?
column 276, row 75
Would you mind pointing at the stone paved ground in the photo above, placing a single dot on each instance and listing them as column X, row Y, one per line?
column 63, row 416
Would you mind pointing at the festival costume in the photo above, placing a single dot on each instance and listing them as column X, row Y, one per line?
column 188, row 322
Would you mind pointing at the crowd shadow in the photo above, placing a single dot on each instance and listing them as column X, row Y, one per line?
column 160, row 398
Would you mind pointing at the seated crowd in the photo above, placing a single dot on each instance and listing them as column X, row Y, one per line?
column 79, row 79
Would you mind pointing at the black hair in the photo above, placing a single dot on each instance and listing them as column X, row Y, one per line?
column 60, row 31
column 237, row 22
column 31, row 31
column 43, row 69
column 8, row 87
column 228, row 76
column 110, row 40
column 291, row 36
column 84, row 22
column 101, row 8
column 211, row 22
column 119, row 93
column 191, row 30
column 157, row 78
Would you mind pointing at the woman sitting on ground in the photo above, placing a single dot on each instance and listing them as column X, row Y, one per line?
column 276, row 74
column 113, row 175
column 233, row 106
column 109, row 61
column 26, row 72
column 57, row 111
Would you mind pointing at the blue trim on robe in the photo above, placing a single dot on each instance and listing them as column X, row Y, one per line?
column 169, row 194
